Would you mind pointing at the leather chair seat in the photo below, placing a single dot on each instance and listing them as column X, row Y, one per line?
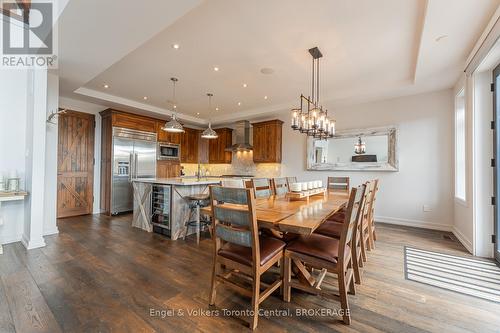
column 337, row 217
column 269, row 247
column 319, row 246
column 330, row 229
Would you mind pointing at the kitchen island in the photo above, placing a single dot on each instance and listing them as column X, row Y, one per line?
column 160, row 204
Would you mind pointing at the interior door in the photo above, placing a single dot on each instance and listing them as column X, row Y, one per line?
column 75, row 164
column 496, row 148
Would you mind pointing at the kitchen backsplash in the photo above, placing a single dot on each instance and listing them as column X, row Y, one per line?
column 242, row 164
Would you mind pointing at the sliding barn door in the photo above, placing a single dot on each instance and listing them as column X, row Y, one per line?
column 75, row 167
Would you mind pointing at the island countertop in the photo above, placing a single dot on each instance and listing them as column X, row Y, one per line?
column 180, row 181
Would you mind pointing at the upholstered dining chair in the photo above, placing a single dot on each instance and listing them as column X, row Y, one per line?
column 280, row 186
column 334, row 229
column 243, row 254
column 338, row 183
column 262, row 187
column 238, row 183
column 326, row 254
column 290, row 180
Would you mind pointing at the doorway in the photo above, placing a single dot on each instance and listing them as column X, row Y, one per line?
column 75, row 164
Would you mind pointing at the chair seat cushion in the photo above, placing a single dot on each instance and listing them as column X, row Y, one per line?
column 269, row 247
column 330, row 229
column 337, row 217
column 318, row 246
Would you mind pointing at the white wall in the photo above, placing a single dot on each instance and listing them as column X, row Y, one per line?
column 51, row 140
column 13, row 104
column 425, row 157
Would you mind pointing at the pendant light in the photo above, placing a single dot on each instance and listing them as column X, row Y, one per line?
column 173, row 126
column 209, row 133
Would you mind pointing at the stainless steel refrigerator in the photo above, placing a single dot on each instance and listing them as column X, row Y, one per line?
column 134, row 156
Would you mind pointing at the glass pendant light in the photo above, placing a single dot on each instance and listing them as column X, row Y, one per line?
column 173, row 126
column 209, row 133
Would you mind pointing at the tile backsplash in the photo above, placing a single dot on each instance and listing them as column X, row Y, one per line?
column 242, row 164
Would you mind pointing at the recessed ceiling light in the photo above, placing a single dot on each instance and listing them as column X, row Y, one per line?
column 175, row 46
column 216, row 68
column 265, row 97
column 239, row 103
column 267, row 70
column 106, row 86
column 197, row 113
column 216, row 109
column 440, row 38
column 145, row 98
column 245, row 85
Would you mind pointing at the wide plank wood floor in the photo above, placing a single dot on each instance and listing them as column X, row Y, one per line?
column 101, row 275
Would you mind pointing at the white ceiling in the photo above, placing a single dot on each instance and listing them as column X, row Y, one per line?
column 372, row 50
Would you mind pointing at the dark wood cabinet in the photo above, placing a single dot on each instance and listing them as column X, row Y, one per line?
column 131, row 121
column 168, row 169
column 189, row 145
column 217, row 147
column 267, row 141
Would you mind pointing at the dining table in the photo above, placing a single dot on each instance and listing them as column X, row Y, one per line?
column 285, row 214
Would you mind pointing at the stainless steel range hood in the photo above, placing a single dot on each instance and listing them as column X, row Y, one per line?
column 242, row 131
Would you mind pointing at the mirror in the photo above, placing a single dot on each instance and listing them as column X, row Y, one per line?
column 361, row 149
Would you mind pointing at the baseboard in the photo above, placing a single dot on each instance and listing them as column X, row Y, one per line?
column 32, row 244
column 414, row 223
column 463, row 239
column 11, row 239
column 51, row 231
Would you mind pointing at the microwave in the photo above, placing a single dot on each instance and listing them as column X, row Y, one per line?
column 169, row 151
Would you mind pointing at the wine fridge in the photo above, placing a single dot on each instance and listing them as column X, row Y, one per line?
column 161, row 207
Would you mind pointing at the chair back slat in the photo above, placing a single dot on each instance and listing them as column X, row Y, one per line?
column 280, row 186
column 290, row 180
column 352, row 217
column 234, row 235
column 233, row 216
column 338, row 183
column 237, row 196
column 262, row 187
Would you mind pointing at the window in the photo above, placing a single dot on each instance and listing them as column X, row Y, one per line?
column 460, row 143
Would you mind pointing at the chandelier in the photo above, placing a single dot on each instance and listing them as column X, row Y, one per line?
column 310, row 118
column 360, row 147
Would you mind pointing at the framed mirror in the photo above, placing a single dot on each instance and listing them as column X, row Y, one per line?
column 370, row 149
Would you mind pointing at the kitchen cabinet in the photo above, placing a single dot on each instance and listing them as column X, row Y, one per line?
column 167, row 137
column 168, row 169
column 130, row 121
column 267, row 141
column 217, row 147
column 189, row 145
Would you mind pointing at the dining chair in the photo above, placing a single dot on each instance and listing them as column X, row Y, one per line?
column 334, row 229
column 280, row 186
column 238, row 183
column 290, row 180
column 328, row 255
column 371, row 215
column 262, row 187
column 239, row 252
column 338, row 183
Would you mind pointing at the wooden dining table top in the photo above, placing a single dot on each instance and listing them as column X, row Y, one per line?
column 296, row 216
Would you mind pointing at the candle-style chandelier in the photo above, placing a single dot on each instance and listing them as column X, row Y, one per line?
column 311, row 119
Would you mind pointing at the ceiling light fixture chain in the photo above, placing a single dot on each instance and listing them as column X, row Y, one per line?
column 311, row 119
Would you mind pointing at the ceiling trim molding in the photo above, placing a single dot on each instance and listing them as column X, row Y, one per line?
column 138, row 105
column 422, row 18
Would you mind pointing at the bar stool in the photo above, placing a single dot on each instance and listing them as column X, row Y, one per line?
column 195, row 202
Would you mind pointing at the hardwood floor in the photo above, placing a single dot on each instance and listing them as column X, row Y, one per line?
column 101, row 275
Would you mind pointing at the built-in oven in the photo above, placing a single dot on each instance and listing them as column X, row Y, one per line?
column 169, row 151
